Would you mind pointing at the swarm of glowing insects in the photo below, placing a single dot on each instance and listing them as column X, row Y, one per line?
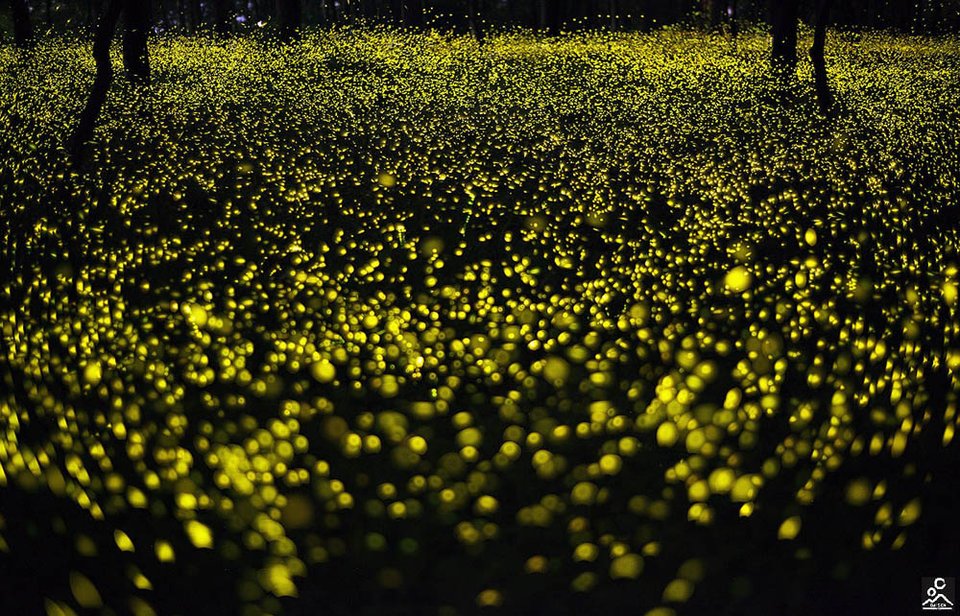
column 397, row 303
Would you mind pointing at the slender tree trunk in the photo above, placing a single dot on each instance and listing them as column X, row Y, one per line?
column 717, row 9
column 22, row 28
column 414, row 14
column 783, row 21
column 101, row 83
column 369, row 9
column 325, row 18
column 196, row 14
column 904, row 16
column 554, row 16
column 164, row 15
column 475, row 18
column 289, row 18
column 543, row 15
column 222, row 15
column 396, row 11
column 322, row 13
column 816, row 54
column 182, row 14
column 136, row 15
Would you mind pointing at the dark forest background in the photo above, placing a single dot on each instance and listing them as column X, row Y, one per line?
column 905, row 16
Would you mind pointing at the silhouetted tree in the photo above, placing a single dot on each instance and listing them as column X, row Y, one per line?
column 816, row 53
column 135, row 57
column 22, row 28
column 222, row 15
column 475, row 18
column 289, row 18
column 369, row 9
column 783, row 23
column 554, row 15
column 136, row 17
column 101, row 83
column 414, row 13
column 717, row 8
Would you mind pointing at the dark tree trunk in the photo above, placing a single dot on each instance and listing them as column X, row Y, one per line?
column 101, row 83
column 196, row 14
column 554, row 15
column 91, row 15
column 222, row 15
column 783, row 22
column 475, row 18
column 543, row 15
column 182, row 14
column 164, row 16
column 369, row 9
column 816, row 54
column 322, row 14
column 396, row 11
column 414, row 15
column 717, row 9
column 22, row 29
column 136, row 15
column 289, row 18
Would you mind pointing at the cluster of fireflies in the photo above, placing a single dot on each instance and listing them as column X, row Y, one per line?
column 369, row 293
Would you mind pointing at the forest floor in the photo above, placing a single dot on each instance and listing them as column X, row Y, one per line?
column 386, row 323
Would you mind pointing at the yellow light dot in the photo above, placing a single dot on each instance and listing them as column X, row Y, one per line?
column 628, row 566
column 196, row 314
column 583, row 493
column 667, row 434
column 123, row 541
column 277, row 579
column 535, row 564
column 55, row 608
column 486, row 505
column 678, row 591
column 417, row 445
column 164, row 551
column 698, row 491
column 738, row 279
column 84, row 591
column 139, row 607
column 199, row 534
column 950, row 292
column 790, row 528
column 610, row 464
column 910, row 513
column 323, row 371
column 185, row 500
column 743, row 490
column 858, row 492
column 721, row 480
column 489, row 598
column 92, row 373
column 586, row 552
